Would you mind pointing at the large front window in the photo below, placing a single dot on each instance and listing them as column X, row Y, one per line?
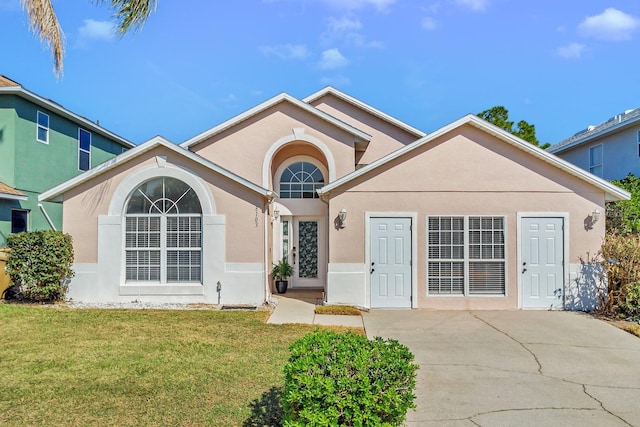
column 466, row 255
column 163, row 235
column 300, row 180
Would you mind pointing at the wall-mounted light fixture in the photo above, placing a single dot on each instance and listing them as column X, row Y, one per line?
column 595, row 216
column 342, row 216
column 276, row 214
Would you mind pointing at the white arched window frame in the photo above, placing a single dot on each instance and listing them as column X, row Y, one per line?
column 300, row 180
column 163, row 233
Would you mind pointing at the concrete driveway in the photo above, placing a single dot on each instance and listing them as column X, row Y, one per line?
column 524, row 368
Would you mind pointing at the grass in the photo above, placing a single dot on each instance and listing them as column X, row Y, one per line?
column 79, row 367
column 338, row 309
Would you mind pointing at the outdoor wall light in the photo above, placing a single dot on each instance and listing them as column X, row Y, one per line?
column 276, row 214
column 595, row 216
column 342, row 216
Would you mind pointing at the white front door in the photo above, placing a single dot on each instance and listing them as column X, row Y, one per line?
column 307, row 254
column 541, row 265
column 390, row 262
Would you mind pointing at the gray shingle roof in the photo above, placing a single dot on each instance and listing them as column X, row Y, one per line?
column 628, row 117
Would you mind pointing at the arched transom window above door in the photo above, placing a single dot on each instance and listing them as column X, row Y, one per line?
column 163, row 235
column 300, row 180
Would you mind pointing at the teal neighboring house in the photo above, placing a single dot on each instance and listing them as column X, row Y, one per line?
column 41, row 145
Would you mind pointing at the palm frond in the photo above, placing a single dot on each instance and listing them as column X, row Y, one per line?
column 131, row 14
column 44, row 23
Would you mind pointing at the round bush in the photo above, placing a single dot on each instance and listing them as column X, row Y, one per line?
column 347, row 380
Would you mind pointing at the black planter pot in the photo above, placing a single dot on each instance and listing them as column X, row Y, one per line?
column 281, row 286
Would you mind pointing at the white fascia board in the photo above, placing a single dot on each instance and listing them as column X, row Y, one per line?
column 60, row 110
column 268, row 104
column 138, row 150
column 6, row 196
column 366, row 107
column 612, row 192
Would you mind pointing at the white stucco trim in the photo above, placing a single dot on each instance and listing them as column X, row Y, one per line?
column 365, row 107
column 414, row 251
column 283, row 97
column 160, row 169
column 565, row 261
column 56, row 192
column 612, row 192
column 297, row 135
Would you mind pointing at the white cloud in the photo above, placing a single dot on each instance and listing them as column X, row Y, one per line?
column 96, row 30
column 379, row 5
column 432, row 8
column 335, row 81
column 286, row 51
column 347, row 29
column 474, row 5
column 430, row 24
column 571, row 51
column 332, row 59
column 611, row 24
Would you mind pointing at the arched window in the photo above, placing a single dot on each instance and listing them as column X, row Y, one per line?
column 163, row 236
column 300, row 180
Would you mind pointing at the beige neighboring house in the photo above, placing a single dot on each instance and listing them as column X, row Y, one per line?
column 369, row 209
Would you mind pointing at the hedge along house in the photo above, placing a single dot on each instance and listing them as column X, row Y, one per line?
column 370, row 210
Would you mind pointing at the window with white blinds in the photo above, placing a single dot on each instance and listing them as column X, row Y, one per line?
column 163, row 234
column 466, row 255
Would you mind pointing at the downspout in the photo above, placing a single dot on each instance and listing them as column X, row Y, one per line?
column 324, row 198
column 265, row 249
column 46, row 216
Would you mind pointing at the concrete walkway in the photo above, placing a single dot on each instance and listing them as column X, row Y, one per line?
column 291, row 310
column 524, row 368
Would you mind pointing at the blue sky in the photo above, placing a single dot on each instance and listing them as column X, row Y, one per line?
column 561, row 65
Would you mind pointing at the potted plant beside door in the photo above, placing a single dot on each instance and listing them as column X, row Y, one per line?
column 280, row 273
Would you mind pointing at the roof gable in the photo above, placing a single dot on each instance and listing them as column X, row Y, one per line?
column 612, row 192
column 365, row 107
column 149, row 145
column 283, row 97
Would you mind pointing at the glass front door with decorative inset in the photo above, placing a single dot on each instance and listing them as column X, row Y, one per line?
column 307, row 242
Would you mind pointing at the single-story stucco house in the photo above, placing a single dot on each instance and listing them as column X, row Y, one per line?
column 369, row 209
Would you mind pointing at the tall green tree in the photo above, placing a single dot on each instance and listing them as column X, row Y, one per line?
column 499, row 116
column 129, row 15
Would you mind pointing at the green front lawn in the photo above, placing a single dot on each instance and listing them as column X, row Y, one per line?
column 79, row 367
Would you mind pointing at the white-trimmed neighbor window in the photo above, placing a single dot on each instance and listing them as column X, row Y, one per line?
column 639, row 143
column 595, row 160
column 300, row 180
column 42, row 128
column 84, row 150
column 163, row 234
column 19, row 220
column 466, row 255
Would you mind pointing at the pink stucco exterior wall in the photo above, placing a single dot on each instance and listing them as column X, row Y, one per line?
column 466, row 172
column 386, row 137
column 84, row 203
column 243, row 147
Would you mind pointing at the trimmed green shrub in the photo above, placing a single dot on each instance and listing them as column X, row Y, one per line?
column 623, row 216
column 630, row 306
column 344, row 379
column 40, row 264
